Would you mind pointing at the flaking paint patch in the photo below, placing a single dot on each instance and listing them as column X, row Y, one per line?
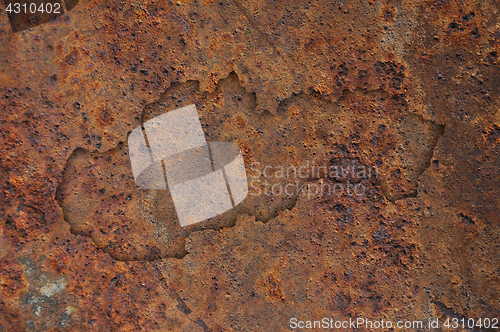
column 54, row 288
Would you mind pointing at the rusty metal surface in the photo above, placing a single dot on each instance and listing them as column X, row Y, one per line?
column 409, row 87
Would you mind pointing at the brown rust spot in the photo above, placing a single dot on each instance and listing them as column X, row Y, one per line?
column 272, row 288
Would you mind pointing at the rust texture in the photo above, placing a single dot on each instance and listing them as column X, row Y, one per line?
column 407, row 88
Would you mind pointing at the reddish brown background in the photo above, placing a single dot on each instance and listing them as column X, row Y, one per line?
column 287, row 81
